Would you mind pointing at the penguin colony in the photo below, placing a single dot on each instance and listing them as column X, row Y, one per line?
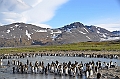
column 66, row 68
column 23, row 55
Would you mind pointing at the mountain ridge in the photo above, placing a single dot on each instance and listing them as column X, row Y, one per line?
column 21, row 34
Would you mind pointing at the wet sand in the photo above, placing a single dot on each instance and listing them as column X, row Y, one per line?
column 111, row 73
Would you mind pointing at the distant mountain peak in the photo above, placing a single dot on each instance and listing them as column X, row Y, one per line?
column 21, row 34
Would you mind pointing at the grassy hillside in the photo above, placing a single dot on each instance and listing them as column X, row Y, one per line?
column 83, row 46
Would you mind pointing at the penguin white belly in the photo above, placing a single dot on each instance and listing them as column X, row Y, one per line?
column 36, row 70
column 66, row 71
column 1, row 63
column 56, row 71
column 91, row 72
column 61, row 70
column 87, row 74
column 26, row 70
column 52, row 69
column 32, row 69
column 40, row 69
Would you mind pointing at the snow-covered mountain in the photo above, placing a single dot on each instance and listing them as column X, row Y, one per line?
column 21, row 34
column 116, row 33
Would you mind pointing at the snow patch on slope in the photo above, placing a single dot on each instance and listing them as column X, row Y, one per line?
column 98, row 28
column 68, row 30
column 104, row 36
column 82, row 32
column 16, row 25
column 41, row 30
column 110, row 38
column 55, row 32
column 98, row 31
column 86, row 30
column 54, row 37
column 88, row 37
column 8, row 31
column 28, row 35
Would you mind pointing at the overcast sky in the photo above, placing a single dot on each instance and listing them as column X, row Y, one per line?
column 57, row 13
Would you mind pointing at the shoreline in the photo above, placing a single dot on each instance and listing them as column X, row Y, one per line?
column 68, row 52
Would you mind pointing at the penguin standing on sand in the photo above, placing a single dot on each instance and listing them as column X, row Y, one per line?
column 32, row 69
column 96, row 69
column 80, row 72
column 91, row 72
column 115, row 64
column 112, row 65
column 46, row 70
column 27, row 62
column 66, row 70
column 99, row 65
column 98, row 75
column 36, row 70
column 13, row 69
column 8, row 63
column 55, row 70
column 26, row 69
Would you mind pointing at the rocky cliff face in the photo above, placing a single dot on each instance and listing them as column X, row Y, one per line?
column 21, row 34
